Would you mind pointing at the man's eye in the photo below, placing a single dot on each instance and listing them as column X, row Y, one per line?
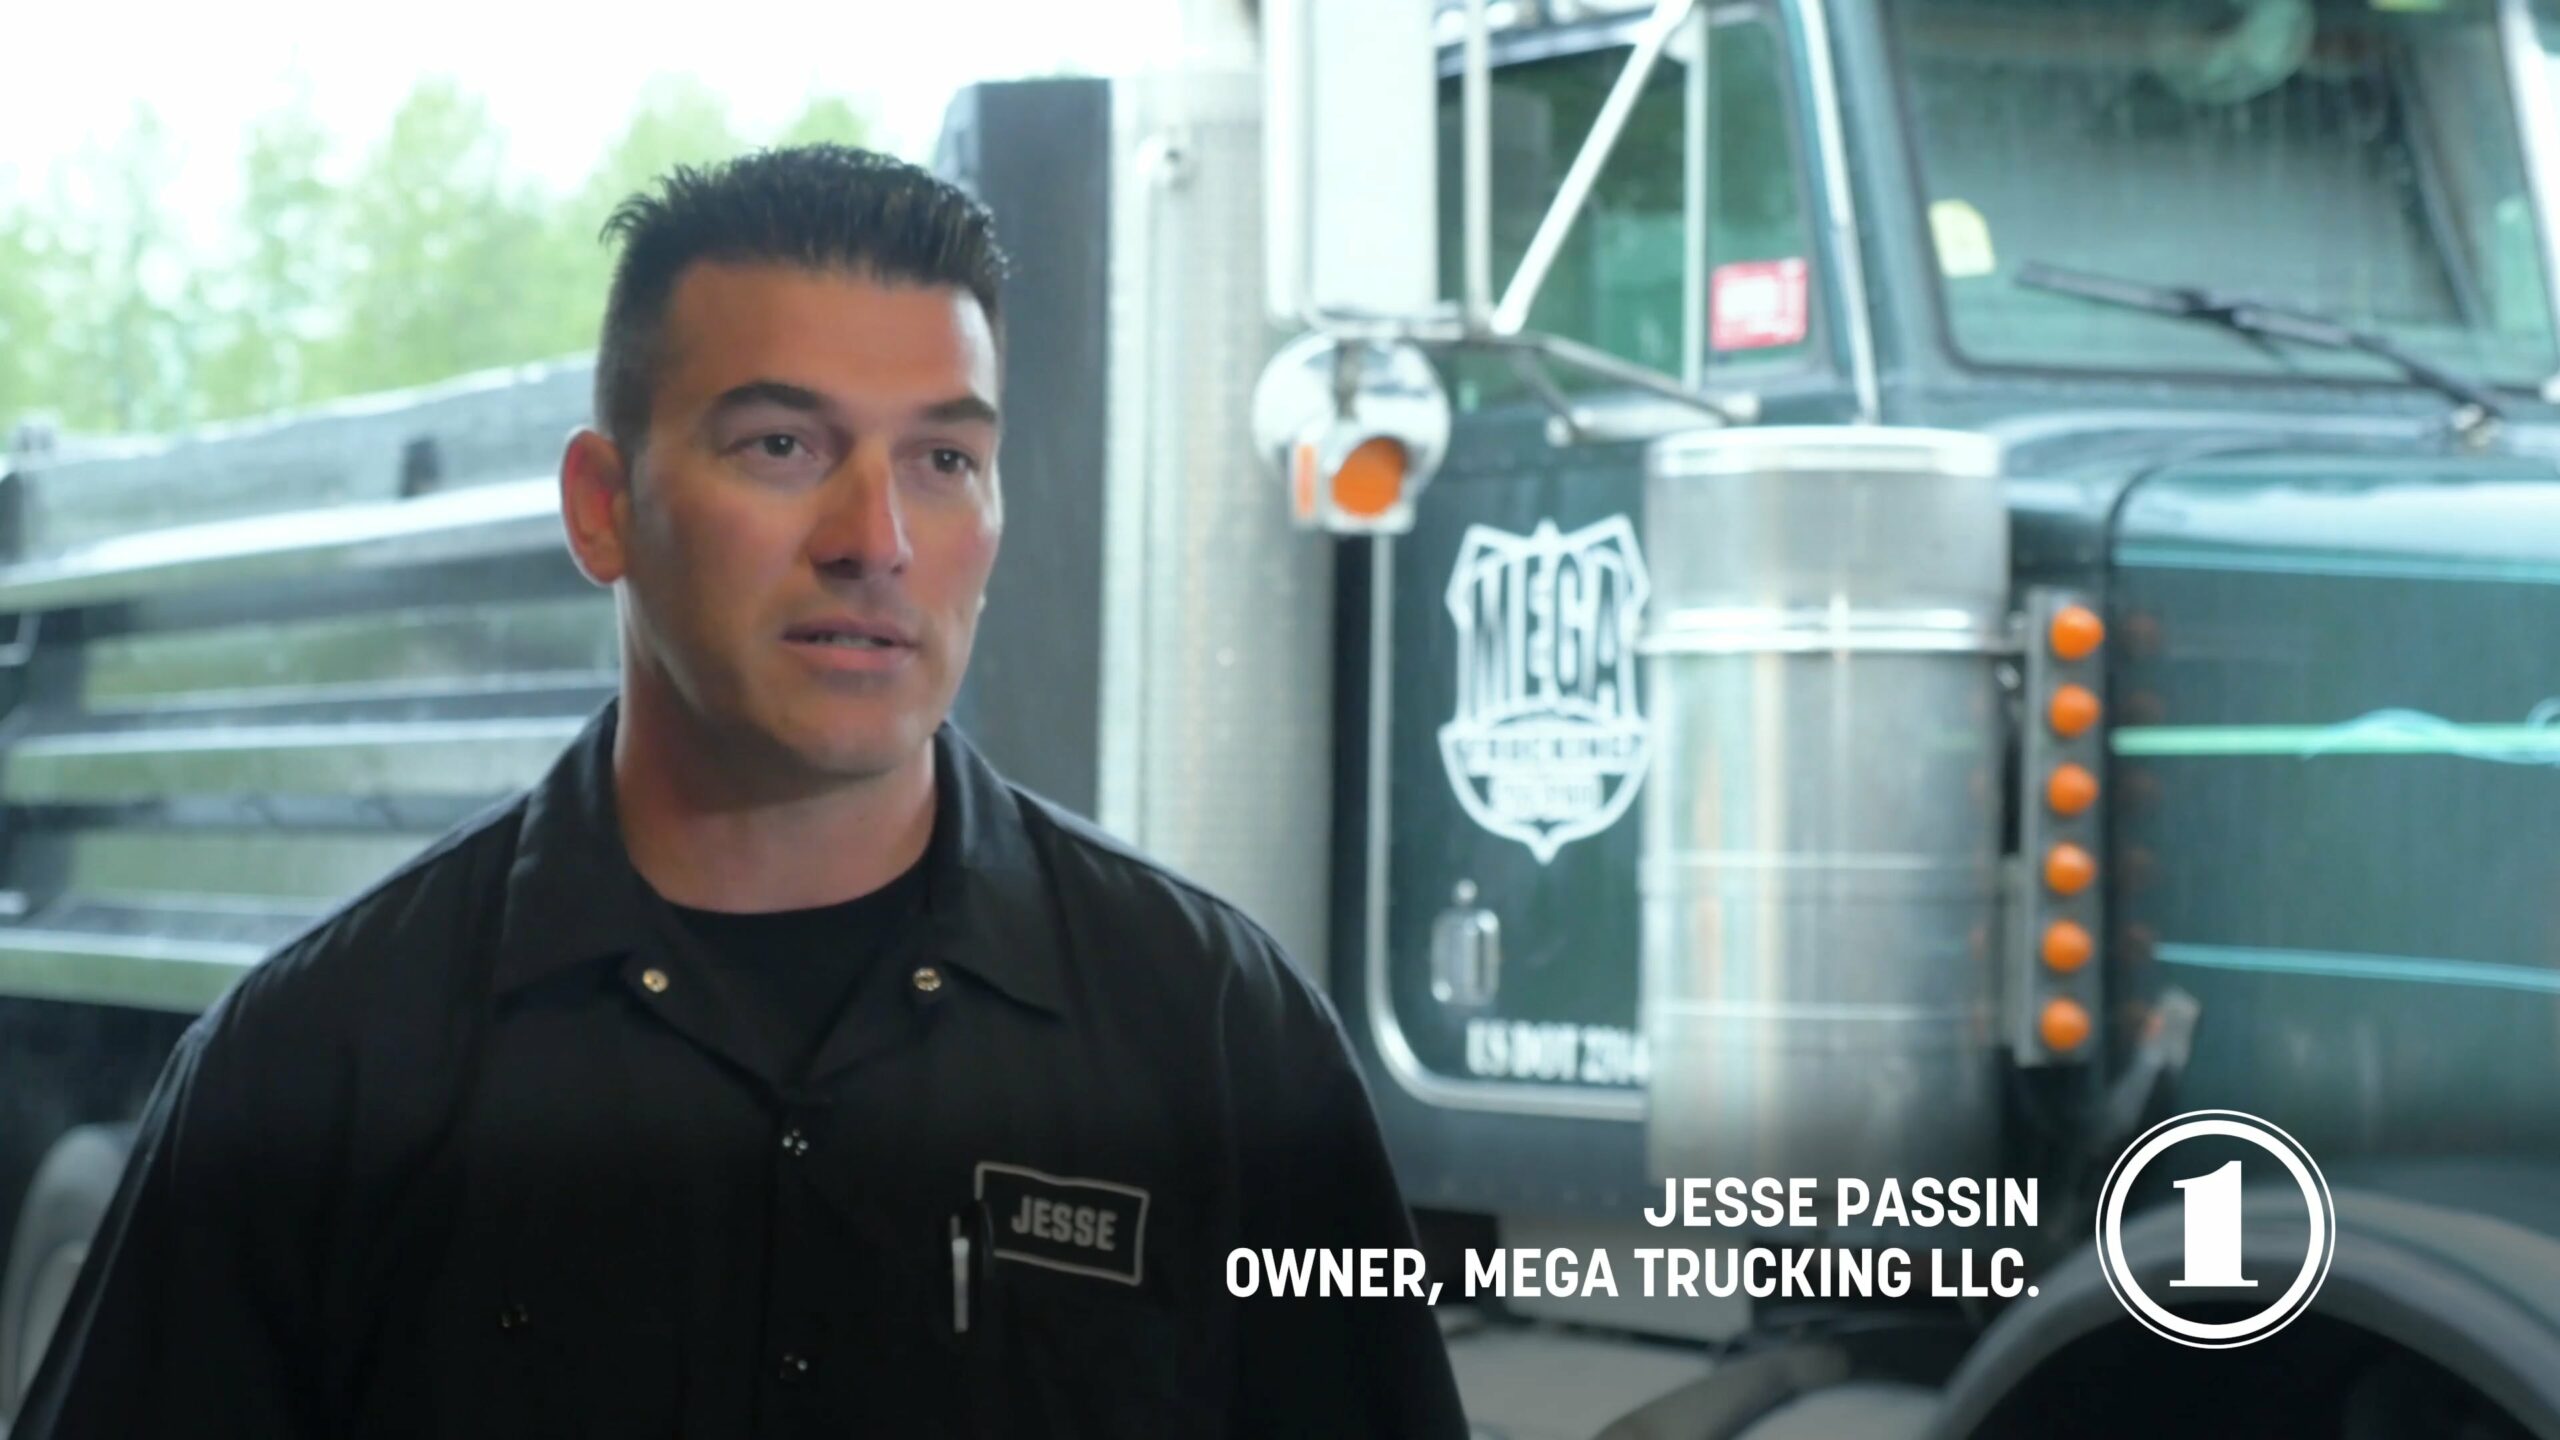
column 954, row 462
column 778, row 447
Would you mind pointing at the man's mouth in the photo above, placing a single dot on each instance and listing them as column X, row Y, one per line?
column 849, row 642
column 850, row 635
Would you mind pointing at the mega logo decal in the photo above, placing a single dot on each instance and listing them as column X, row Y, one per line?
column 1549, row 742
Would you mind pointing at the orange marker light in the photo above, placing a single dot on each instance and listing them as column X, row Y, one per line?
column 2075, row 632
column 2064, row 1026
column 2068, row 869
column 2073, row 710
column 1371, row 478
column 2066, row 946
column 2071, row 790
column 1302, row 480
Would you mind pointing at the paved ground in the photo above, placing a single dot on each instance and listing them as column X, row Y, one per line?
column 1548, row 1383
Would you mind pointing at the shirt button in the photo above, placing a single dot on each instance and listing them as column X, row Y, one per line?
column 928, row 979
column 794, row 1368
column 794, row 1142
column 655, row 981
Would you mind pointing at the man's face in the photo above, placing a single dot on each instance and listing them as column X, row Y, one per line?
column 805, row 538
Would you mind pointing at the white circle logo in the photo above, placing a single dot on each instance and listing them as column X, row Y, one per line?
column 2214, row 1228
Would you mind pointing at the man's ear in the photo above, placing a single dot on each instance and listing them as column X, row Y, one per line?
column 595, row 504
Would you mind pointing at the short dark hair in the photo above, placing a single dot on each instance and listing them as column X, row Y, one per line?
column 815, row 207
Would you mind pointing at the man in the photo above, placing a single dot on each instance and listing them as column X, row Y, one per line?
column 772, row 1067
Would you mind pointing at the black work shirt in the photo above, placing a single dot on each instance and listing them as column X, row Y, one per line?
column 483, row 1155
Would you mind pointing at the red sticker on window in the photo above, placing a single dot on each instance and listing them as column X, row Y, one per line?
column 1758, row 304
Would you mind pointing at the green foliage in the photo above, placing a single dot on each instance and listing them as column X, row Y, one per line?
column 287, row 272
column 26, row 318
column 677, row 121
column 440, row 239
column 828, row 118
column 118, row 290
column 428, row 256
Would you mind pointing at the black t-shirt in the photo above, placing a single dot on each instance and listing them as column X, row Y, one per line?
column 795, row 970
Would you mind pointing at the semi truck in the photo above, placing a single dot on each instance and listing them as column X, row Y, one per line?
column 1865, row 592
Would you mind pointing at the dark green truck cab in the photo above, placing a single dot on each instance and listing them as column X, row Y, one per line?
column 2319, row 518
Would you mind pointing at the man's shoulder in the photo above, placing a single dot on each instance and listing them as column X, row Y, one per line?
column 1190, row 935
column 1101, row 871
column 396, row 944
column 354, row 1023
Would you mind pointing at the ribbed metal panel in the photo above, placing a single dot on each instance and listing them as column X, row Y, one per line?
column 1217, row 702
column 261, row 667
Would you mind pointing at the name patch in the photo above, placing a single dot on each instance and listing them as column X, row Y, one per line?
column 1084, row 1227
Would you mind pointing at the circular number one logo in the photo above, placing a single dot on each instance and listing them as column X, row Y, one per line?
column 2215, row 1226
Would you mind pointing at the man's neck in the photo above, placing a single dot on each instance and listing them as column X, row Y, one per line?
column 705, row 835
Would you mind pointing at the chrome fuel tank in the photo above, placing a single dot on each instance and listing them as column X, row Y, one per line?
column 1821, row 871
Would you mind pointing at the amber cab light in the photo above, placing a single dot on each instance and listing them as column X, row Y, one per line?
column 2071, row 789
column 2064, row 1026
column 2068, row 869
column 2076, row 632
column 2066, row 946
column 2073, row 710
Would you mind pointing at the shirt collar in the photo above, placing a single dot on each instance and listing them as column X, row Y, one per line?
column 573, row 897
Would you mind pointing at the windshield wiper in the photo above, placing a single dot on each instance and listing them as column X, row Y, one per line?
column 2478, row 412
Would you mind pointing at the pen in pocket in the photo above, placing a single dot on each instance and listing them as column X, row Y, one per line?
column 959, row 1277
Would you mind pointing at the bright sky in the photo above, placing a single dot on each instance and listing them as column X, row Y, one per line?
column 560, row 79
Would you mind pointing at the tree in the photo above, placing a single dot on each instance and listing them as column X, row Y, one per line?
column 117, row 287
column 677, row 120
column 828, row 118
column 273, row 307
column 445, row 251
column 434, row 258
column 26, row 320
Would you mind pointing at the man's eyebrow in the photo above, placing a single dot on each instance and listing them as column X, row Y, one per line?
column 962, row 410
column 769, row 392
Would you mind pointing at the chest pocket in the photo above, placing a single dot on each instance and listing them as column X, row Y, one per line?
column 1075, row 1355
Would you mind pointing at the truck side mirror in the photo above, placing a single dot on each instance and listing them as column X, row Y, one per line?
column 1350, row 155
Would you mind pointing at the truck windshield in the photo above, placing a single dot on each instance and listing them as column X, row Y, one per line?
column 2359, row 160
column 1622, row 279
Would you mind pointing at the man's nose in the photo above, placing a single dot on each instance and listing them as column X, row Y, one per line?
column 862, row 528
